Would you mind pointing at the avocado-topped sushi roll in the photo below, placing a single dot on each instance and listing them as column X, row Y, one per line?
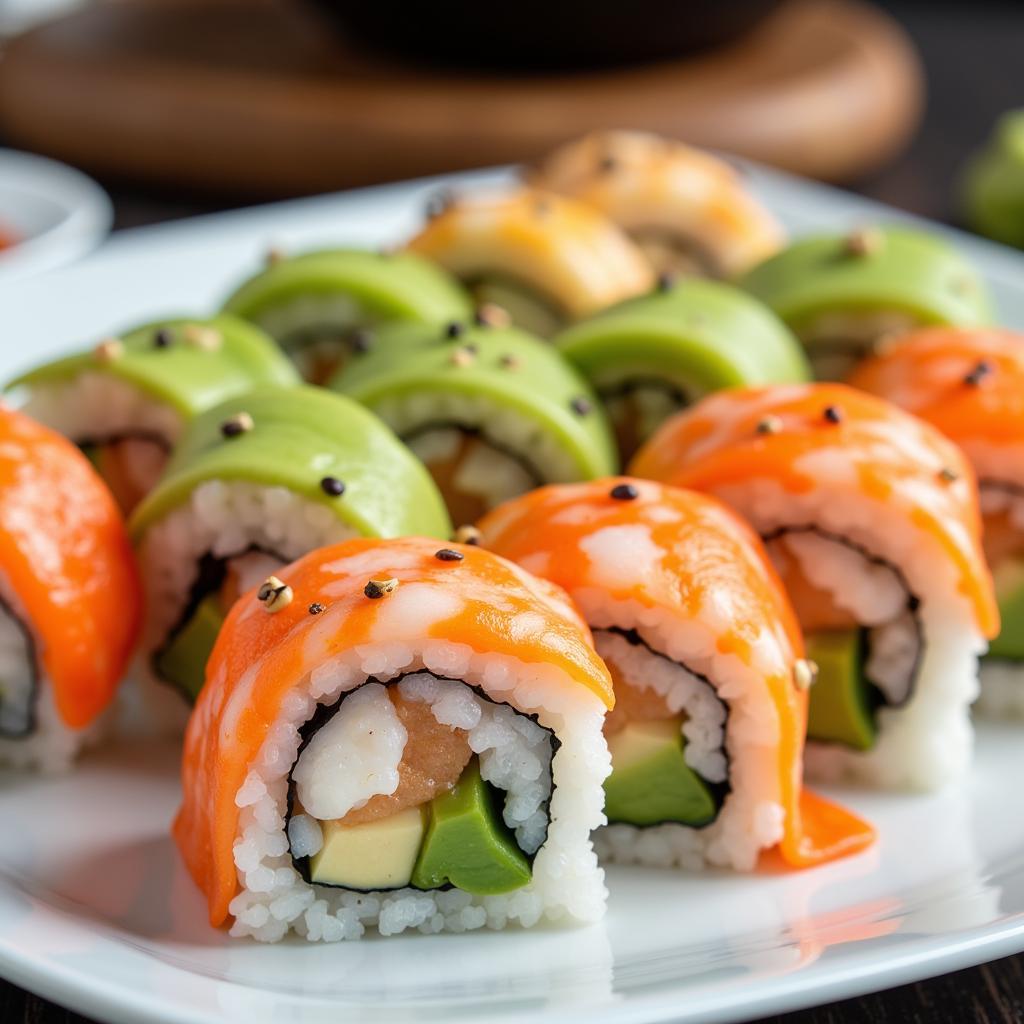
column 255, row 483
column 871, row 517
column 545, row 259
column 707, row 732
column 649, row 357
column 994, row 183
column 69, row 596
column 126, row 402
column 842, row 294
column 690, row 212
column 970, row 384
column 411, row 741
column 491, row 411
column 319, row 304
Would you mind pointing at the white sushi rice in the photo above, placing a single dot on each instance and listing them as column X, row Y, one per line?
column 223, row 518
column 515, row 755
column 927, row 742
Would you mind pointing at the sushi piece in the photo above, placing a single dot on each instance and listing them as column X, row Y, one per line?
column 491, row 411
column 649, row 357
column 842, row 294
column 126, row 402
column 707, row 732
column 317, row 305
column 871, row 517
column 545, row 259
column 412, row 741
column 689, row 211
column 69, row 596
column 969, row 383
column 255, row 483
column 993, row 187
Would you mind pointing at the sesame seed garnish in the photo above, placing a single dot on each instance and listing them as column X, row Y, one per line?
column 864, row 242
column 439, row 202
column 316, row 608
column 332, row 486
column 109, row 350
column 463, row 356
column 455, row 329
column 162, row 338
column 510, row 362
column 490, row 314
column 833, row 414
column 466, row 535
column 275, row 255
column 769, row 425
column 666, row 281
column 805, row 672
column 580, row 405
column 947, row 475
column 201, row 336
column 240, row 423
column 447, row 555
column 624, row 492
column 274, row 594
column 362, row 341
column 980, row 371
column 377, row 588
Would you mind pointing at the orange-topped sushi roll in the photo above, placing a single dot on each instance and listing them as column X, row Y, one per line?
column 689, row 211
column 70, row 602
column 969, row 382
column 545, row 259
column 872, row 518
column 400, row 735
column 706, row 655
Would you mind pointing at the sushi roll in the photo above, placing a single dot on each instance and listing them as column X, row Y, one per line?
column 127, row 401
column 545, row 259
column 412, row 741
column 970, row 384
column 993, row 188
column 491, row 411
column 689, row 211
column 69, row 596
column 318, row 305
column 871, row 517
column 707, row 732
column 842, row 294
column 649, row 357
column 255, row 483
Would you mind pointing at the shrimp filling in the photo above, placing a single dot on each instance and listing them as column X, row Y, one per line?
column 472, row 471
column 862, row 629
column 419, row 783
column 1002, row 506
column 836, row 341
column 130, row 464
column 18, row 679
column 666, row 735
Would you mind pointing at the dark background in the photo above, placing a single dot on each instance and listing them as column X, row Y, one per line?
column 973, row 54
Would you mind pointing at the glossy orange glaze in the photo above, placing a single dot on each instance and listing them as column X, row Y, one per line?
column 484, row 602
column 688, row 554
column 875, row 451
column 65, row 553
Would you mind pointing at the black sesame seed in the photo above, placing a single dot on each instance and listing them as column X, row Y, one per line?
column 333, row 486
column 666, row 281
column 947, row 475
column 833, row 414
column 234, row 426
column 454, row 329
column 362, row 341
column 447, row 555
column 316, row 608
column 439, row 202
column 162, row 338
column 624, row 492
column 978, row 374
column 580, row 405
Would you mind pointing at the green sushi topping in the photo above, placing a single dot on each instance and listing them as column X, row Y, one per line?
column 317, row 305
column 1009, row 582
column 187, row 364
column 649, row 357
column 842, row 699
column 182, row 660
column 994, row 183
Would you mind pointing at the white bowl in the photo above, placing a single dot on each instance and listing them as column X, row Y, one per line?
column 55, row 212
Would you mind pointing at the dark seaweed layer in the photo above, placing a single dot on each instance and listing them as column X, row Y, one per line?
column 30, row 650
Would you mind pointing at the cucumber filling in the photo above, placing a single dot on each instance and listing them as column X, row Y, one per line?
column 19, row 683
column 1009, row 582
column 527, row 308
column 413, row 807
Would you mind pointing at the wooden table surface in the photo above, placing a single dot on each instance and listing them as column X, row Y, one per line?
column 972, row 55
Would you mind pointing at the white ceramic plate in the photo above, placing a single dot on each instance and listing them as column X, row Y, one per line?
column 96, row 911
column 56, row 213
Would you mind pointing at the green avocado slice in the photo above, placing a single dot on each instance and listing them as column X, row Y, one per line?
column 468, row 844
column 651, row 782
column 183, row 661
column 841, row 704
column 1009, row 581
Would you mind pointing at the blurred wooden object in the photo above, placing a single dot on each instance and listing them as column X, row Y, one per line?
column 258, row 97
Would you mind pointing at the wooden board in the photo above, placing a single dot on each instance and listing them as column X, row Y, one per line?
column 258, row 97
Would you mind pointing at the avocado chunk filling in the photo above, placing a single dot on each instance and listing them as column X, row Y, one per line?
column 1009, row 583
column 183, row 660
column 651, row 782
column 842, row 700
